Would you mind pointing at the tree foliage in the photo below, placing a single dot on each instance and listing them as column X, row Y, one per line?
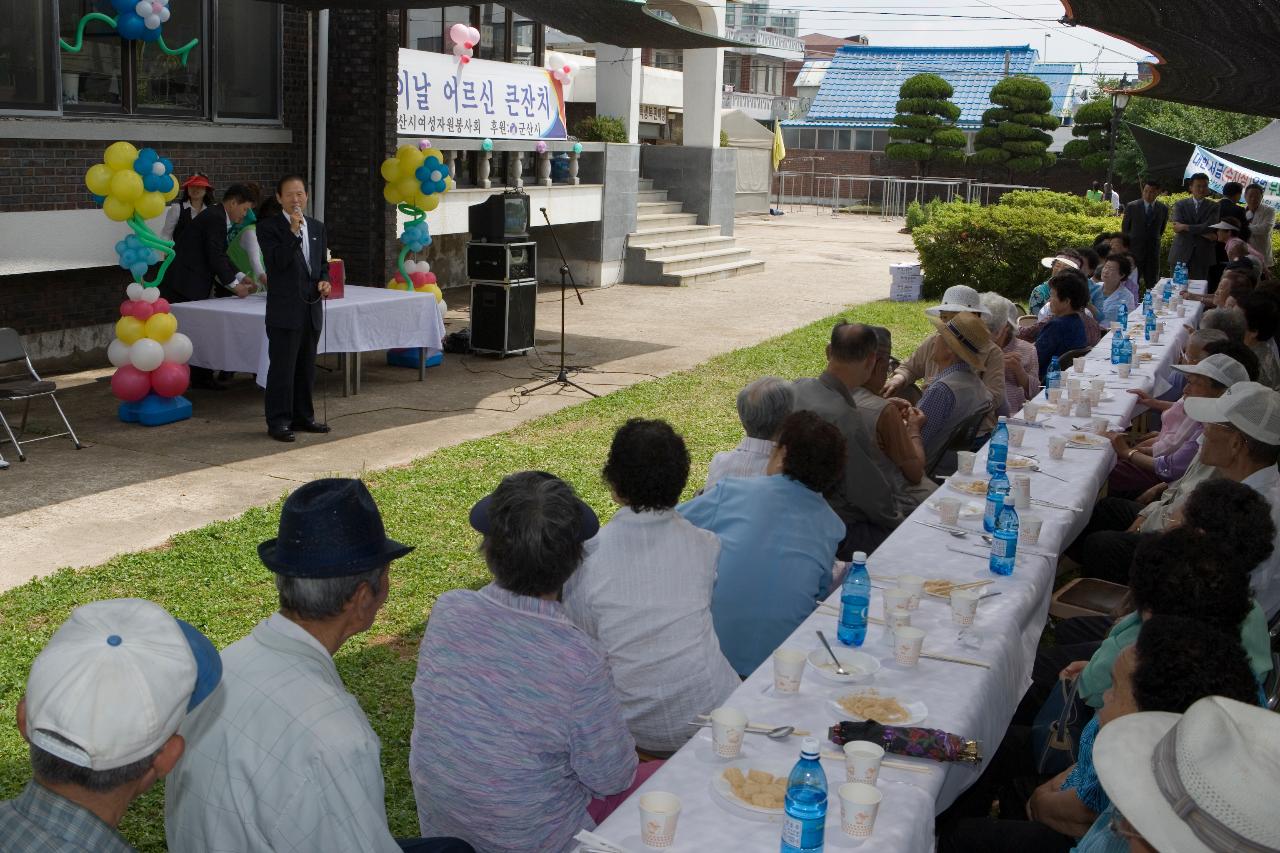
column 1092, row 129
column 1201, row 126
column 924, row 129
column 1013, row 132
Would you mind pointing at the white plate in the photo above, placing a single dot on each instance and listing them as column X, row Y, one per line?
column 722, row 787
column 860, row 664
column 1087, row 439
column 917, row 709
column 967, row 510
column 1016, row 462
column 972, row 486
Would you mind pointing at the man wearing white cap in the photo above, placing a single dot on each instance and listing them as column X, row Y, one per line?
column 1200, row 782
column 922, row 365
column 101, row 713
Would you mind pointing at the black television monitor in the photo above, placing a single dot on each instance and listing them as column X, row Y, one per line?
column 501, row 218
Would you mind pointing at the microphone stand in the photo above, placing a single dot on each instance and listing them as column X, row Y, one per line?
column 562, row 379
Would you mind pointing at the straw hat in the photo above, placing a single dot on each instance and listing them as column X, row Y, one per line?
column 966, row 335
column 1048, row 263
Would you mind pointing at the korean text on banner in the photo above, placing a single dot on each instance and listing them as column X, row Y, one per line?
column 438, row 96
column 1223, row 172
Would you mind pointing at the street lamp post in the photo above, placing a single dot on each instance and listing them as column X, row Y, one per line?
column 1119, row 100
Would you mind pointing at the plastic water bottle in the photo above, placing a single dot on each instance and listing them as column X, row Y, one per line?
column 1180, row 273
column 1122, row 317
column 1146, row 299
column 1117, row 345
column 998, row 448
column 806, row 803
column 1004, row 541
column 997, row 494
column 1052, row 375
column 855, row 596
column 1167, row 292
column 1126, row 351
column 1149, row 325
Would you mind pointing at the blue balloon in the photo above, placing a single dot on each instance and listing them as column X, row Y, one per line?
column 432, row 165
column 97, row 199
column 416, row 237
column 124, row 6
column 150, row 35
column 130, row 26
column 138, row 270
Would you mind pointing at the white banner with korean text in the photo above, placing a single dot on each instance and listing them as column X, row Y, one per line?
column 1223, row 172
column 439, row 96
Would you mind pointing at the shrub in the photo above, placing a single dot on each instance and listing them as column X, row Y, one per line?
column 1013, row 133
column 600, row 129
column 1060, row 202
column 919, row 214
column 1092, row 128
column 924, row 127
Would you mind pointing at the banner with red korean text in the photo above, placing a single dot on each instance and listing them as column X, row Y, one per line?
column 1223, row 172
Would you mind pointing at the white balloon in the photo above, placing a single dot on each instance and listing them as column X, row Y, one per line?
column 118, row 353
column 473, row 35
column 150, row 294
column 146, row 354
column 157, row 168
column 458, row 49
column 143, row 8
column 164, row 14
column 177, row 349
column 134, row 291
column 152, row 22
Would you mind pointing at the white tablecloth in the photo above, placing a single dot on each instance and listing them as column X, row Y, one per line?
column 970, row 701
column 231, row 334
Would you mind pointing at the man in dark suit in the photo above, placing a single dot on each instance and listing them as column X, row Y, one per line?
column 1143, row 223
column 1229, row 208
column 295, row 254
column 201, row 266
column 1194, row 242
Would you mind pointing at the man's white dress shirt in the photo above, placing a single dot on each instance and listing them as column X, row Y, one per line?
column 749, row 459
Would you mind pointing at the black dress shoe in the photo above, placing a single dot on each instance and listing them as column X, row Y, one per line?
column 282, row 434
column 309, row 426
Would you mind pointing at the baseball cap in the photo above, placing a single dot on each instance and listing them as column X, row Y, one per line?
column 1219, row 367
column 1048, row 263
column 588, row 522
column 115, row 681
column 1250, row 407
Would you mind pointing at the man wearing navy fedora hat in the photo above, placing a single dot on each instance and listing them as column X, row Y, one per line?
column 285, row 759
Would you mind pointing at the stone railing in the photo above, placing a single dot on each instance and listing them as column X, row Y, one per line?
column 762, row 106
column 521, row 151
column 764, row 38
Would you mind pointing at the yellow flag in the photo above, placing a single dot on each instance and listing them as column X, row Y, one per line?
column 779, row 149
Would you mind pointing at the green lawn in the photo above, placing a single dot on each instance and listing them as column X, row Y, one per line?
column 212, row 578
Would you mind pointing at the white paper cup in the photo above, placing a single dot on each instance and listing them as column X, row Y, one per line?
column 1083, row 409
column 964, row 461
column 728, row 728
column 913, row 585
column 659, row 812
column 1057, row 445
column 895, row 599
column 1030, row 411
column 1077, row 365
column 1156, row 332
column 1021, row 487
column 1016, row 435
column 964, row 604
column 1100, row 425
column 1064, row 407
column 906, row 646
column 1123, row 369
column 788, row 669
column 1098, row 385
column 898, row 617
column 949, row 510
column 1182, row 309
column 1055, row 394
column 1029, row 529
column 859, row 803
column 862, row 761
column 1094, row 396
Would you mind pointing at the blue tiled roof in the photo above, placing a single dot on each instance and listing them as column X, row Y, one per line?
column 1059, row 76
column 861, row 86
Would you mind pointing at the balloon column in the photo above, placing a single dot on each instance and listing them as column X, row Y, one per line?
column 562, row 68
column 149, row 353
column 465, row 39
column 421, row 280
column 136, row 20
column 416, row 177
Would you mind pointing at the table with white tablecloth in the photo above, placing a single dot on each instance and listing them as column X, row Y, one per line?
column 231, row 334
column 971, row 701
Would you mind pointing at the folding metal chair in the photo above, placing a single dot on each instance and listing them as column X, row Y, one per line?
column 24, row 389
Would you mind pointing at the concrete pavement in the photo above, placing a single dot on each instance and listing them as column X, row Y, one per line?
column 132, row 488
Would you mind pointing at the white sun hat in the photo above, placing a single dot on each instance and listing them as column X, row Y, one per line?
column 1250, row 407
column 958, row 297
column 1048, row 263
column 1199, row 782
column 1219, row 367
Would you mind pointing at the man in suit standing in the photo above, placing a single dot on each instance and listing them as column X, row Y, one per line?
column 1261, row 220
column 295, row 254
column 1194, row 242
column 1229, row 209
column 201, row 266
column 1143, row 223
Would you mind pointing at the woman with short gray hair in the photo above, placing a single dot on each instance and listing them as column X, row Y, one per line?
column 762, row 407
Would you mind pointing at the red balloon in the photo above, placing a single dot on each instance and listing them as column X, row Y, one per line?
column 126, row 308
column 143, row 310
column 418, row 277
column 160, row 306
column 170, row 379
column 465, row 59
column 130, row 384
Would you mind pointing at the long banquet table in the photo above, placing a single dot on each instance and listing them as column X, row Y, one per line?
column 970, row 701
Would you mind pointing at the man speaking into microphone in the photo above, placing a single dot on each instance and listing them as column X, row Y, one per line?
column 295, row 254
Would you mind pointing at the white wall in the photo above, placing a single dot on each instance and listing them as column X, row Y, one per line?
column 47, row 240
column 659, row 86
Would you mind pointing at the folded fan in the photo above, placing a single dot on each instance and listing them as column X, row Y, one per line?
column 914, row 741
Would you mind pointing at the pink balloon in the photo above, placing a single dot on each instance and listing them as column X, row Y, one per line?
column 473, row 35
column 170, row 379
column 143, row 310
column 464, row 59
column 458, row 32
column 160, row 306
column 130, row 384
column 127, row 307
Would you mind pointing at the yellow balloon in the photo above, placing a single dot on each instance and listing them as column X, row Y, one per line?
column 390, row 169
column 160, row 327
column 408, row 187
column 395, row 285
column 150, row 205
column 117, row 210
column 433, row 152
column 173, row 190
column 120, row 156
column 129, row 330
column 410, row 159
column 98, row 179
column 391, row 194
column 428, row 202
column 448, row 183
column 127, row 186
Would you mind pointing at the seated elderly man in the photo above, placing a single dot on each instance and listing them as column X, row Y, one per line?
column 921, row 365
column 762, row 407
column 1021, row 366
column 956, row 393
column 284, row 758
column 517, row 726
column 863, row 497
column 103, row 704
column 777, row 541
column 644, row 592
column 1229, row 321
column 1262, row 321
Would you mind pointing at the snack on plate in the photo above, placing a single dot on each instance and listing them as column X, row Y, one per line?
column 870, row 705
column 1019, row 462
column 970, row 487
column 758, row 788
column 1085, row 438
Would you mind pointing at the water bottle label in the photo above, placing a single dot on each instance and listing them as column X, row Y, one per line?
column 804, row 833
column 1001, row 548
column 989, row 515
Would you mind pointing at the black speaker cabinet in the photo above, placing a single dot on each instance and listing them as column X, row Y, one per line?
column 506, row 262
column 502, row 316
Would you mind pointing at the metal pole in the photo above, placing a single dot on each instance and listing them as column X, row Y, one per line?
column 1115, row 128
column 322, row 115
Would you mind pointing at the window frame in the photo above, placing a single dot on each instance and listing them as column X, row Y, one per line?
column 539, row 57
column 55, row 70
column 215, row 114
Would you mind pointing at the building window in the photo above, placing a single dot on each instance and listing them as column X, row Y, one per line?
column 826, row 140
column 248, row 70
column 428, row 29
column 93, row 78
column 27, row 69
column 526, row 48
column 493, row 33
column 843, row 140
column 863, row 141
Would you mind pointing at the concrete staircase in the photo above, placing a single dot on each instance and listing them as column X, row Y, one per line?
column 670, row 248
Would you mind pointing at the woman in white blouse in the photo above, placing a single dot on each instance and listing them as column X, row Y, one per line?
column 197, row 194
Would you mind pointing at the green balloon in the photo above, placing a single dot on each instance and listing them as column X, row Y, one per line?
column 487, row 144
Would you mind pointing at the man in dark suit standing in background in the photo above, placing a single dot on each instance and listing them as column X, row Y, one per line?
column 295, row 254
column 1194, row 243
column 1143, row 223
column 201, row 266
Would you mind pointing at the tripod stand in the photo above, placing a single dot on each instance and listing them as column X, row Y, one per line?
column 562, row 379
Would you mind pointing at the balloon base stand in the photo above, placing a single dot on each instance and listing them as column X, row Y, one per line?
column 154, row 410
column 409, row 358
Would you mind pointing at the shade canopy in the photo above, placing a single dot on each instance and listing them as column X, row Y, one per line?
column 623, row 23
column 1213, row 53
column 1167, row 156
